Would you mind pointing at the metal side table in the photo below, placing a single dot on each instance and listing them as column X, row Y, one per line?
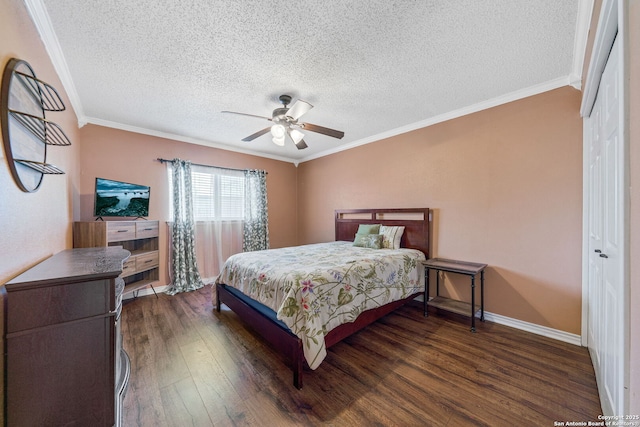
column 470, row 269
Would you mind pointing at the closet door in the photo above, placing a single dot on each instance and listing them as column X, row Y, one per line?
column 607, row 312
column 596, row 312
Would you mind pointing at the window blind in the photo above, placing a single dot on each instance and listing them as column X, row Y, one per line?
column 218, row 194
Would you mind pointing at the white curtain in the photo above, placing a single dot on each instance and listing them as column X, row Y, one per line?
column 219, row 211
column 215, row 242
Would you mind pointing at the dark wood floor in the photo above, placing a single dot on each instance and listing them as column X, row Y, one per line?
column 192, row 366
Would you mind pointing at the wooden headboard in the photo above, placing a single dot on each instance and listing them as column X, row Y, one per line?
column 415, row 221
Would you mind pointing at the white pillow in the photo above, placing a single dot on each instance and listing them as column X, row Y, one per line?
column 391, row 236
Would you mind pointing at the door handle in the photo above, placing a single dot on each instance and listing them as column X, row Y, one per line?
column 597, row 251
column 603, row 256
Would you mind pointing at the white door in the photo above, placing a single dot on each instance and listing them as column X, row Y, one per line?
column 596, row 220
column 606, row 328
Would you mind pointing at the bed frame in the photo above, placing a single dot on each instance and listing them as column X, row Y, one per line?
column 416, row 236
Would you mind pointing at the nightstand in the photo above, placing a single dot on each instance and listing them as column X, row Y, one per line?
column 470, row 269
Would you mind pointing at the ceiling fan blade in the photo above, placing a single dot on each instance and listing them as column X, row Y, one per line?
column 296, row 136
column 257, row 134
column 323, row 130
column 245, row 114
column 298, row 109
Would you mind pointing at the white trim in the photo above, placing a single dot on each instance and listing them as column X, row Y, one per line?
column 166, row 135
column 586, row 199
column 505, row 99
column 544, row 331
column 41, row 20
column 605, row 34
column 583, row 21
column 623, row 20
column 485, row 105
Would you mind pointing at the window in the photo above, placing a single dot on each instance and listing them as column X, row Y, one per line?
column 230, row 212
column 218, row 194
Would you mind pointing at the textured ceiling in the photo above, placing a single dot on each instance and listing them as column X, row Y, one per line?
column 371, row 68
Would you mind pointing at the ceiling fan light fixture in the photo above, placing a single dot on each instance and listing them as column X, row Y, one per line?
column 284, row 124
column 296, row 135
column 277, row 131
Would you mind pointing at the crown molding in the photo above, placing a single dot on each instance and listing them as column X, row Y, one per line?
column 174, row 137
column 504, row 99
column 41, row 20
column 583, row 22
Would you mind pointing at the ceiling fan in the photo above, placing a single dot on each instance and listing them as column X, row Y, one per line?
column 285, row 123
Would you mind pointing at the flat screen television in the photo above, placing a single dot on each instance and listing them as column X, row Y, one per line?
column 117, row 198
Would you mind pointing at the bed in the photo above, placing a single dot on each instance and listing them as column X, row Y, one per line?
column 302, row 300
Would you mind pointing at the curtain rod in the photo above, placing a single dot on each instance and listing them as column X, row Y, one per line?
column 161, row 160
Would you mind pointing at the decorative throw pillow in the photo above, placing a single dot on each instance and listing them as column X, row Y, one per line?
column 391, row 236
column 368, row 229
column 372, row 241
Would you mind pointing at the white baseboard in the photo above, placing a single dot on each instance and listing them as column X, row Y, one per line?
column 529, row 327
column 491, row 317
column 534, row 329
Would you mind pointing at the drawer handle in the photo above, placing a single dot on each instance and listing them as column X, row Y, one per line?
column 148, row 229
column 122, row 231
column 148, row 261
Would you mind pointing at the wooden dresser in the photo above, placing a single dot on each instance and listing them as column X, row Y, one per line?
column 64, row 362
column 138, row 237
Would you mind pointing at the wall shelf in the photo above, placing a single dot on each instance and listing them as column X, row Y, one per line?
column 43, row 129
column 26, row 132
column 41, row 92
column 43, row 168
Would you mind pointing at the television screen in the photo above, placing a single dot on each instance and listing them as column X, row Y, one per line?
column 115, row 198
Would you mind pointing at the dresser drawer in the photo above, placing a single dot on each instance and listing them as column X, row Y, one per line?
column 146, row 229
column 128, row 267
column 146, row 261
column 119, row 231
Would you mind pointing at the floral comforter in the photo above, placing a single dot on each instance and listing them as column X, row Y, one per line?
column 314, row 288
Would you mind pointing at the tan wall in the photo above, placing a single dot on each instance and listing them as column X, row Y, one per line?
column 505, row 186
column 634, row 106
column 131, row 157
column 34, row 226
